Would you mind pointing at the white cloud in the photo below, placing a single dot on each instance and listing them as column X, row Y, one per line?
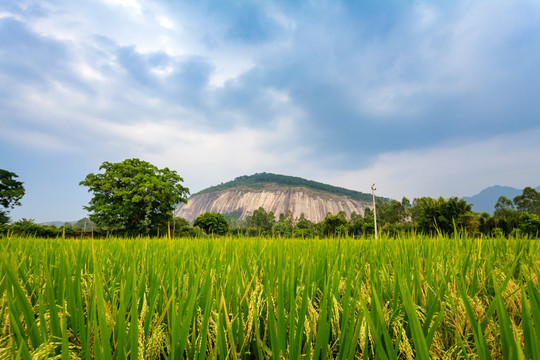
column 204, row 157
column 149, row 28
column 132, row 5
column 88, row 72
column 6, row 15
column 451, row 169
column 414, row 65
column 165, row 22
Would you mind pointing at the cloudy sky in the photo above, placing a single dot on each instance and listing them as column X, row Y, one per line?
column 423, row 98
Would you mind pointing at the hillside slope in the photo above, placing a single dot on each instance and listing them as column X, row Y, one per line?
column 277, row 193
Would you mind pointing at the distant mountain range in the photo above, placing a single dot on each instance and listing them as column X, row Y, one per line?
column 486, row 199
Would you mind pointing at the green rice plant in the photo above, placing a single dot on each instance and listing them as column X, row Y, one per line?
column 403, row 297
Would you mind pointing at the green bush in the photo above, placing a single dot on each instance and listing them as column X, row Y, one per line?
column 212, row 223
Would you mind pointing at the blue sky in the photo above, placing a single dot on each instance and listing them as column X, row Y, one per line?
column 422, row 98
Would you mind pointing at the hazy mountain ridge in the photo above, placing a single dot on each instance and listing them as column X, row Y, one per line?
column 486, row 199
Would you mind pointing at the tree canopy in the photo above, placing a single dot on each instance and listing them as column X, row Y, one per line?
column 335, row 224
column 441, row 215
column 11, row 192
column 212, row 223
column 528, row 201
column 261, row 220
column 134, row 196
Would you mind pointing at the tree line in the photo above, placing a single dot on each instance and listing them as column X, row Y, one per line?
column 134, row 197
column 517, row 217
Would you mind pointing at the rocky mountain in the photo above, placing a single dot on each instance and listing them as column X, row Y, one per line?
column 277, row 193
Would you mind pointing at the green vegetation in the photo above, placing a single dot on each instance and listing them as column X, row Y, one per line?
column 424, row 216
column 134, row 197
column 11, row 192
column 441, row 282
column 258, row 182
column 408, row 297
column 261, row 222
column 212, row 223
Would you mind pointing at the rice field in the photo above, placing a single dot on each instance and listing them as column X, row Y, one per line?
column 410, row 297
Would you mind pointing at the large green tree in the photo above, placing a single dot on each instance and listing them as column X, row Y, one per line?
column 134, row 196
column 11, row 192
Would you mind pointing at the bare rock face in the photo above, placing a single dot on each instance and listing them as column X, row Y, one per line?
column 243, row 201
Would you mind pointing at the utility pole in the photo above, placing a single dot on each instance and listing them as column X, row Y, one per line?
column 374, row 210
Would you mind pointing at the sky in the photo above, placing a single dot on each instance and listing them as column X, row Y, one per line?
column 422, row 98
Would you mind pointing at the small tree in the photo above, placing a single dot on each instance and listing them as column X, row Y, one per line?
column 183, row 229
column 261, row 220
column 212, row 223
column 11, row 192
column 529, row 224
column 134, row 196
column 284, row 226
column 335, row 224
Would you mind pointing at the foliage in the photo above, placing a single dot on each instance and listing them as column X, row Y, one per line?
column 261, row 221
column 212, row 223
column 181, row 228
column 257, row 181
column 503, row 204
column 134, row 196
column 236, row 225
column 528, row 201
column 84, row 224
column 425, row 215
column 303, row 223
column 28, row 227
column 335, row 225
column 11, row 192
column 393, row 212
column 285, row 225
column 303, row 228
column 413, row 297
column 444, row 216
column 529, row 224
column 486, row 224
column 355, row 224
column 519, row 215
